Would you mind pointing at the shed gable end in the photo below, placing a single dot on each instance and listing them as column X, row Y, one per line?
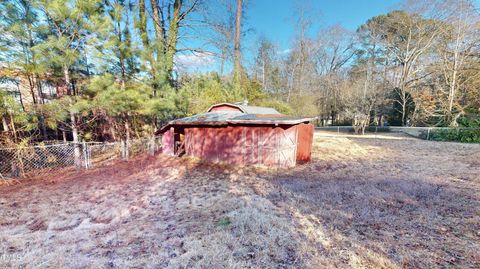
column 225, row 107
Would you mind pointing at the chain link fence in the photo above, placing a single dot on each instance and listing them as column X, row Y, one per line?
column 33, row 160
column 460, row 134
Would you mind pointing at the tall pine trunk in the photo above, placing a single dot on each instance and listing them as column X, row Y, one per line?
column 76, row 149
column 237, row 53
column 66, row 77
column 5, row 124
column 14, row 130
column 142, row 27
column 158, row 25
column 73, row 120
column 127, row 137
column 172, row 39
column 122, row 57
column 112, row 129
column 41, row 118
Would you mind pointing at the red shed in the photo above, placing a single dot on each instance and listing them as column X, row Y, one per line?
column 241, row 134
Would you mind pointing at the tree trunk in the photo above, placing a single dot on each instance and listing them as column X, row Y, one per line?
column 31, row 85
column 452, row 92
column 127, row 130
column 112, row 132
column 41, row 119
column 172, row 39
column 237, row 51
column 21, row 96
column 122, row 80
column 14, row 130
column 66, row 76
column 143, row 24
column 35, row 76
column 158, row 25
column 127, row 138
column 43, row 127
column 73, row 123
column 39, row 89
column 263, row 75
column 5, row 124
column 122, row 57
column 404, row 107
column 403, row 94
column 222, row 61
column 76, row 149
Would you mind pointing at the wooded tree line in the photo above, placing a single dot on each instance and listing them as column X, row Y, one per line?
column 111, row 64
column 416, row 66
column 114, row 66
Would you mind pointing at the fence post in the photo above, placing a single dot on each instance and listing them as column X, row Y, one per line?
column 76, row 155
column 428, row 134
column 122, row 146
column 127, row 150
column 152, row 145
column 85, row 154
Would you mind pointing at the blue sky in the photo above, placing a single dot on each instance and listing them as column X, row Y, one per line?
column 274, row 19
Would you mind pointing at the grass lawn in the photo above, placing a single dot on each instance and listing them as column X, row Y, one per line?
column 386, row 201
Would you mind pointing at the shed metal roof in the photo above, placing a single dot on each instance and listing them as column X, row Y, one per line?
column 248, row 109
column 268, row 119
column 259, row 110
column 222, row 118
column 208, row 118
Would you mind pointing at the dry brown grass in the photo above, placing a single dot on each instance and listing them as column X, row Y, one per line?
column 363, row 202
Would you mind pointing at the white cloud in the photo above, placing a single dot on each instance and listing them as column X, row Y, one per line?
column 194, row 61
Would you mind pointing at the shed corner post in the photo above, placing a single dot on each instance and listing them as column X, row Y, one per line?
column 296, row 145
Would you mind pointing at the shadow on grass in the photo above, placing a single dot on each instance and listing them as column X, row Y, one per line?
column 169, row 213
column 384, row 213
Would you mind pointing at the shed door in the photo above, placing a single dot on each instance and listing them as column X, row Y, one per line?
column 275, row 146
column 287, row 147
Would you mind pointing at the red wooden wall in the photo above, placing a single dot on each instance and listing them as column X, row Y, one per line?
column 168, row 142
column 247, row 145
column 305, row 140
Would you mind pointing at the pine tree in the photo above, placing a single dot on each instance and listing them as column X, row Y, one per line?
column 119, row 41
column 15, row 121
column 72, row 26
column 19, row 33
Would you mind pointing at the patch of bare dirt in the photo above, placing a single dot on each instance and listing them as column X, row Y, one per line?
column 386, row 201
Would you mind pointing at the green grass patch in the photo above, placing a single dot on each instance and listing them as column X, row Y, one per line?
column 223, row 222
